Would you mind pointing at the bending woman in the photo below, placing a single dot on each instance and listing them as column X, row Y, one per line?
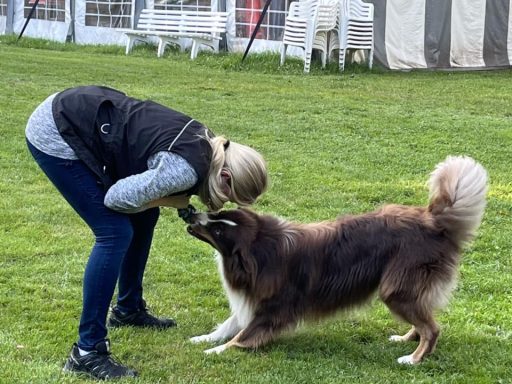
column 116, row 160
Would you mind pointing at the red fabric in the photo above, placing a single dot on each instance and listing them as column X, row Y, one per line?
column 251, row 17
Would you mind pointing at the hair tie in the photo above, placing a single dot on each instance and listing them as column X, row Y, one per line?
column 226, row 144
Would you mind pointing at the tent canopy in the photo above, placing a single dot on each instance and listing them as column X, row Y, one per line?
column 408, row 33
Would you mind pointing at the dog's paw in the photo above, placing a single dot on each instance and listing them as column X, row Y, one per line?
column 407, row 359
column 217, row 350
column 200, row 339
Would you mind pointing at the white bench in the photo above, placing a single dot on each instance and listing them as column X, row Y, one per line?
column 170, row 26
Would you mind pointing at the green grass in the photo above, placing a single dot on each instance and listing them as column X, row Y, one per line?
column 335, row 144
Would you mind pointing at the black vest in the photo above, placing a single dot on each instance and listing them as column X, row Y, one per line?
column 114, row 135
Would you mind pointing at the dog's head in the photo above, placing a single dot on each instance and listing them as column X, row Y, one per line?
column 226, row 231
column 234, row 235
column 252, row 247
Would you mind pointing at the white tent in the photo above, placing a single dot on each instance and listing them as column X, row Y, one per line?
column 3, row 16
column 443, row 33
column 84, row 21
column 408, row 33
column 51, row 20
column 245, row 15
column 96, row 21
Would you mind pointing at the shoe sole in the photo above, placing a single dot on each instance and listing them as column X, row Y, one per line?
column 115, row 324
column 69, row 371
column 112, row 323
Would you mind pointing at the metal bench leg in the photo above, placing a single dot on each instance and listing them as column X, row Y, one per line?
column 129, row 44
column 161, row 47
column 194, row 49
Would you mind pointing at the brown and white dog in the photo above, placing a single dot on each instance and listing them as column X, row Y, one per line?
column 277, row 273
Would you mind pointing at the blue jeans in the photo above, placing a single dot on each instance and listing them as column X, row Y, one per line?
column 120, row 251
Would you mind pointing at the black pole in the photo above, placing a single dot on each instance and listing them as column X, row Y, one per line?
column 256, row 28
column 28, row 18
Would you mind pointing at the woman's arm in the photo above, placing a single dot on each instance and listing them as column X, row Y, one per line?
column 168, row 174
column 177, row 201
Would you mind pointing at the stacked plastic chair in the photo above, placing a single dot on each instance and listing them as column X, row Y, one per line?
column 307, row 26
column 299, row 29
column 326, row 20
column 354, row 30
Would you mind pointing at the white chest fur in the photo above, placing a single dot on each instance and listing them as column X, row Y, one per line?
column 240, row 306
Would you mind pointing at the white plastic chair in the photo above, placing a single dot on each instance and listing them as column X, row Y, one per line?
column 299, row 29
column 327, row 16
column 354, row 30
column 307, row 26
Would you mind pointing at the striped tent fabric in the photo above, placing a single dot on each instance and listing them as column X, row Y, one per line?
column 467, row 34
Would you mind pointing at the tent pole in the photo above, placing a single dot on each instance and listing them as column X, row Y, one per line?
column 28, row 18
column 10, row 17
column 257, row 28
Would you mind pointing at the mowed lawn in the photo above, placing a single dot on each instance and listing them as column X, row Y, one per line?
column 335, row 144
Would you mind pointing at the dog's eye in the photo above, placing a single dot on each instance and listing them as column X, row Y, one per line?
column 216, row 232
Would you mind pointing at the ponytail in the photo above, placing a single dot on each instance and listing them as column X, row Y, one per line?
column 246, row 167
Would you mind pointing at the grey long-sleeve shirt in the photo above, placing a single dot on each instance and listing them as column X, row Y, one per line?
column 167, row 174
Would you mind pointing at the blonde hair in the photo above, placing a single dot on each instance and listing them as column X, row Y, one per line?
column 246, row 167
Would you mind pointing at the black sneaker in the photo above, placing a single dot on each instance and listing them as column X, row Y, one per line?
column 139, row 318
column 99, row 364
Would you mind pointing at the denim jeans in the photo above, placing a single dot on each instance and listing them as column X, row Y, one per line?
column 120, row 251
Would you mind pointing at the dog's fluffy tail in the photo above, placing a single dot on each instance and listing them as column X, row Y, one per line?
column 458, row 187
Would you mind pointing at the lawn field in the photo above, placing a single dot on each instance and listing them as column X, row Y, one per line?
column 335, row 144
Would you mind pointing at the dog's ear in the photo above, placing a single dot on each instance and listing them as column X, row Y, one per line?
column 246, row 262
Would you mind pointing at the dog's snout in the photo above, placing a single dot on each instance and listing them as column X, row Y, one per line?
column 197, row 219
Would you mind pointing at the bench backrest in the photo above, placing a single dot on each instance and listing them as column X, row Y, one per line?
column 182, row 21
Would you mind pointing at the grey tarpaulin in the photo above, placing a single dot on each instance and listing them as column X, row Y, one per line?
column 443, row 33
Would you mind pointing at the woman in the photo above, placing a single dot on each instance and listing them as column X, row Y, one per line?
column 116, row 159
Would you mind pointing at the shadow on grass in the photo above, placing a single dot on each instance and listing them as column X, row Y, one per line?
column 460, row 353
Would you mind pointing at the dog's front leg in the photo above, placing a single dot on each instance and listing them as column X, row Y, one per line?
column 259, row 332
column 227, row 329
column 231, row 343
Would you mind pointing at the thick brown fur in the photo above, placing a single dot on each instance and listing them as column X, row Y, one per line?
column 278, row 273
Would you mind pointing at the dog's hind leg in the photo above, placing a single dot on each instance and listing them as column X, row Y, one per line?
column 423, row 325
column 412, row 335
column 227, row 329
column 428, row 332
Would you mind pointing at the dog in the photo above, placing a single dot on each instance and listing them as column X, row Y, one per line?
column 278, row 273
